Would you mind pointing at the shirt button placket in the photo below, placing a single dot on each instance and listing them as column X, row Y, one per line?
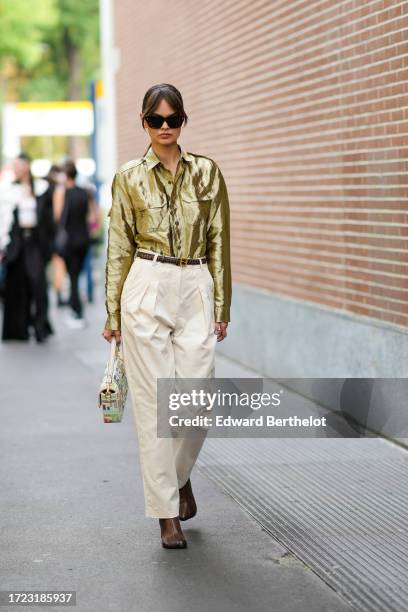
column 176, row 223
column 175, row 230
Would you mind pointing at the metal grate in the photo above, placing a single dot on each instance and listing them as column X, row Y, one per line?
column 339, row 505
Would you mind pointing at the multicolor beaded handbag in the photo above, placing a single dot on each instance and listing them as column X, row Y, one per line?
column 114, row 388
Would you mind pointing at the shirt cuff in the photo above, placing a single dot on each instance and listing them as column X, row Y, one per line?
column 113, row 322
column 222, row 313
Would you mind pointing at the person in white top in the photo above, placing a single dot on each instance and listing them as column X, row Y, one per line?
column 27, row 207
column 27, row 249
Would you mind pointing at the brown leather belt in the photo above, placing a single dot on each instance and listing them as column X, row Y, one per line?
column 178, row 261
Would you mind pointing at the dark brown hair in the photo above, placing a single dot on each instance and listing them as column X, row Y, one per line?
column 69, row 168
column 165, row 91
column 54, row 169
column 25, row 157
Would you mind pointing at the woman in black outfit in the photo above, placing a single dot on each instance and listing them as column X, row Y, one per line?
column 27, row 253
column 76, row 199
column 46, row 202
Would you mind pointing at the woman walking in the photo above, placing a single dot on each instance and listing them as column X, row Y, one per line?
column 75, row 202
column 168, row 292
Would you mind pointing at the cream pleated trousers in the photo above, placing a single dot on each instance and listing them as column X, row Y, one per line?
column 168, row 323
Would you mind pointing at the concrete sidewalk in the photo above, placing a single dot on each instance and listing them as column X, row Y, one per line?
column 72, row 501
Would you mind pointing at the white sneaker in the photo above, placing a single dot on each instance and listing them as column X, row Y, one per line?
column 75, row 322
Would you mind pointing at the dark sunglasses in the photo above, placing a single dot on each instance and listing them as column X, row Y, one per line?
column 156, row 121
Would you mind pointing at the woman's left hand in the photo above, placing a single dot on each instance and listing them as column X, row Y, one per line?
column 221, row 330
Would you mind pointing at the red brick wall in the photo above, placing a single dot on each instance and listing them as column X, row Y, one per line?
column 304, row 105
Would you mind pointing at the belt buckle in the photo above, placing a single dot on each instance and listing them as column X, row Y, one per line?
column 183, row 261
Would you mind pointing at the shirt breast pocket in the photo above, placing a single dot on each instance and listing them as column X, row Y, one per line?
column 152, row 216
column 196, row 210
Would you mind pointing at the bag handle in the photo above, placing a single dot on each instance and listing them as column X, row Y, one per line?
column 113, row 353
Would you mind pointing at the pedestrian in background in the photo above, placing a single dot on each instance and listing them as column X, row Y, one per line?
column 72, row 203
column 94, row 226
column 46, row 197
column 27, row 252
column 168, row 292
column 55, row 177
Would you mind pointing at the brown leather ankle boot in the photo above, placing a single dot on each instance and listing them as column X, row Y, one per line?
column 171, row 533
column 188, row 506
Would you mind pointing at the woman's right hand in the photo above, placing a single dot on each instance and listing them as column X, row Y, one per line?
column 108, row 334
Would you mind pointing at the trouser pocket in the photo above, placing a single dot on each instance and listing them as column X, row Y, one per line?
column 207, row 300
column 133, row 294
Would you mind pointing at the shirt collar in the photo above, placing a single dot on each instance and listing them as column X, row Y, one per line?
column 152, row 160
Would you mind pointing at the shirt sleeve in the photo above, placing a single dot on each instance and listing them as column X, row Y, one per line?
column 218, row 249
column 120, row 250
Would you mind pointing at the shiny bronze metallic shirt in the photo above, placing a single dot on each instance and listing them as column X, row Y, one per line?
column 186, row 215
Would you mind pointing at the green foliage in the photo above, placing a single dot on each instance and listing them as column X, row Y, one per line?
column 49, row 49
column 20, row 36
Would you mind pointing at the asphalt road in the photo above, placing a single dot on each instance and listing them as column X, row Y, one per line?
column 72, row 512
